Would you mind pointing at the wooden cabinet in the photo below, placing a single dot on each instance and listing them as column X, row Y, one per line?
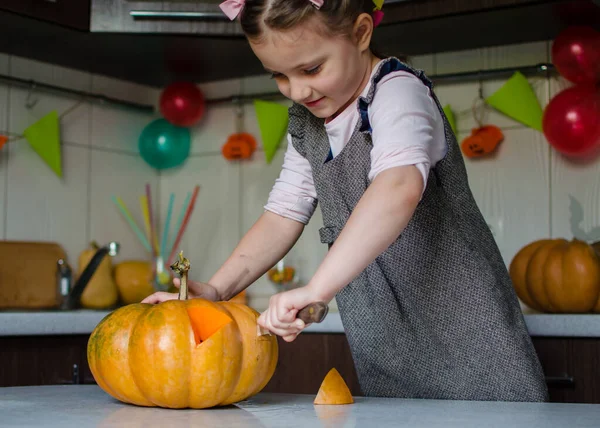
column 571, row 365
column 166, row 17
column 205, row 17
column 69, row 13
column 572, row 368
column 304, row 363
column 43, row 360
column 102, row 37
column 51, row 360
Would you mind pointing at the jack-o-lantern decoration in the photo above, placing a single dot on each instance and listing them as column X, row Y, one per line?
column 482, row 141
column 239, row 146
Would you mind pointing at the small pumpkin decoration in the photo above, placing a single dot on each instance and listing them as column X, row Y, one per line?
column 239, row 146
column 134, row 280
column 181, row 353
column 282, row 277
column 557, row 276
column 482, row 141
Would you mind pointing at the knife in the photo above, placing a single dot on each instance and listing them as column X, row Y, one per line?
column 315, row 312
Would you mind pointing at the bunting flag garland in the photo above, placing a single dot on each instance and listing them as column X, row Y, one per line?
column 44, row 137
column 517, row 100
column 272, row 121
column 450, row 116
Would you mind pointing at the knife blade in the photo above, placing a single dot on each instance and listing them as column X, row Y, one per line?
column 313, row 313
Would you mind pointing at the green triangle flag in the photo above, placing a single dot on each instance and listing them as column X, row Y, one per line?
column 378, row 4
column 517, row 100
column 44, row 137
column 450, row 116
column 273, row 122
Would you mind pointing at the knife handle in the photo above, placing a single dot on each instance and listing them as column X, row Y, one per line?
column 315, row 312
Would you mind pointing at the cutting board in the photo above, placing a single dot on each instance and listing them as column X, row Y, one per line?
column 28, row 274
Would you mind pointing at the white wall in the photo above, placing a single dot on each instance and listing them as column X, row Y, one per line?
column 522, row 189
column 99, row 154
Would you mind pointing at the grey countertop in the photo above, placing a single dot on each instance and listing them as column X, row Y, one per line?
column 23, row 323
column 89, row 406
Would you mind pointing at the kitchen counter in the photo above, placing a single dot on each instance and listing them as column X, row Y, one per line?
column 89, row 406
column 23, row 323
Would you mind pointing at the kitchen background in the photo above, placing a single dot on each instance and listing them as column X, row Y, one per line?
column 133, row 50
column 522, row 189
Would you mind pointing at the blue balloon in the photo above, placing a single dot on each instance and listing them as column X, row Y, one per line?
column 163, row 145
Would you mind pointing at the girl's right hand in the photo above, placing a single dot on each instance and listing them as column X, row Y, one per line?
column 195, row 290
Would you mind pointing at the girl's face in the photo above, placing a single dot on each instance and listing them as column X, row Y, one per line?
column 323, row 73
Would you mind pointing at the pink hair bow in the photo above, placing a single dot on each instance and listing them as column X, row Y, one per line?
column 377, row 17
column 232, row 8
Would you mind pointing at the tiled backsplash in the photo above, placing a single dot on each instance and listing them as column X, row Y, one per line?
column 99, row 155
column 522, row 189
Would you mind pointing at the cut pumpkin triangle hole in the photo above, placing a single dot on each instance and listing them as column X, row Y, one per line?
column 334, row 390
column 206, row 321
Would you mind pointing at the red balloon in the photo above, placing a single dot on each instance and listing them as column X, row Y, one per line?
column 571, row 121
column 182, row 104
column 576, row 54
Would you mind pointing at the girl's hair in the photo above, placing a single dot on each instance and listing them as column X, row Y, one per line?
column 338, row 15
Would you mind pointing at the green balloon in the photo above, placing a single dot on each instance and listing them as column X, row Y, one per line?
column 163, row 145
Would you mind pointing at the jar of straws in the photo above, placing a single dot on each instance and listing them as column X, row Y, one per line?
column 162, row 254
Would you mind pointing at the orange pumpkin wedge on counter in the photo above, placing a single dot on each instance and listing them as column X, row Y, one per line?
column 181, row 353
column 333, row 390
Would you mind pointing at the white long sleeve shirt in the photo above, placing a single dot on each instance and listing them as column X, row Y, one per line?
column 407, row 129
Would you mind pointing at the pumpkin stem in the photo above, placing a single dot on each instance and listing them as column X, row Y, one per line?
column 181, row 267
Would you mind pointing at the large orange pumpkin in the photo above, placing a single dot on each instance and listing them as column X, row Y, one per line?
column 181, row 353
column 556, row 275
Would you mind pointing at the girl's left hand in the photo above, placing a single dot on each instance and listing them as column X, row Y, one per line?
column 280, row 316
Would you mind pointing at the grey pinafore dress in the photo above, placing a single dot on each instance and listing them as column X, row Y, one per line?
column 435, row 315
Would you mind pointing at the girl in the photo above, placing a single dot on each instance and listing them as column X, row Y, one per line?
column 425, row 298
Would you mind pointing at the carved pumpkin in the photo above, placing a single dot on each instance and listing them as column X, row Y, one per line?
column 278, row 277
column 239, row 146
column 556, row 275
column 181, row 353
column 482, row 141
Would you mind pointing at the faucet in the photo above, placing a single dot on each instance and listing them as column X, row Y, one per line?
column 72, row 299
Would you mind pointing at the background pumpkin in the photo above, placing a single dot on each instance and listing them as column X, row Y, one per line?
column 239, row 146
column 181, row 353
column 134, row 280
column 556, row 275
